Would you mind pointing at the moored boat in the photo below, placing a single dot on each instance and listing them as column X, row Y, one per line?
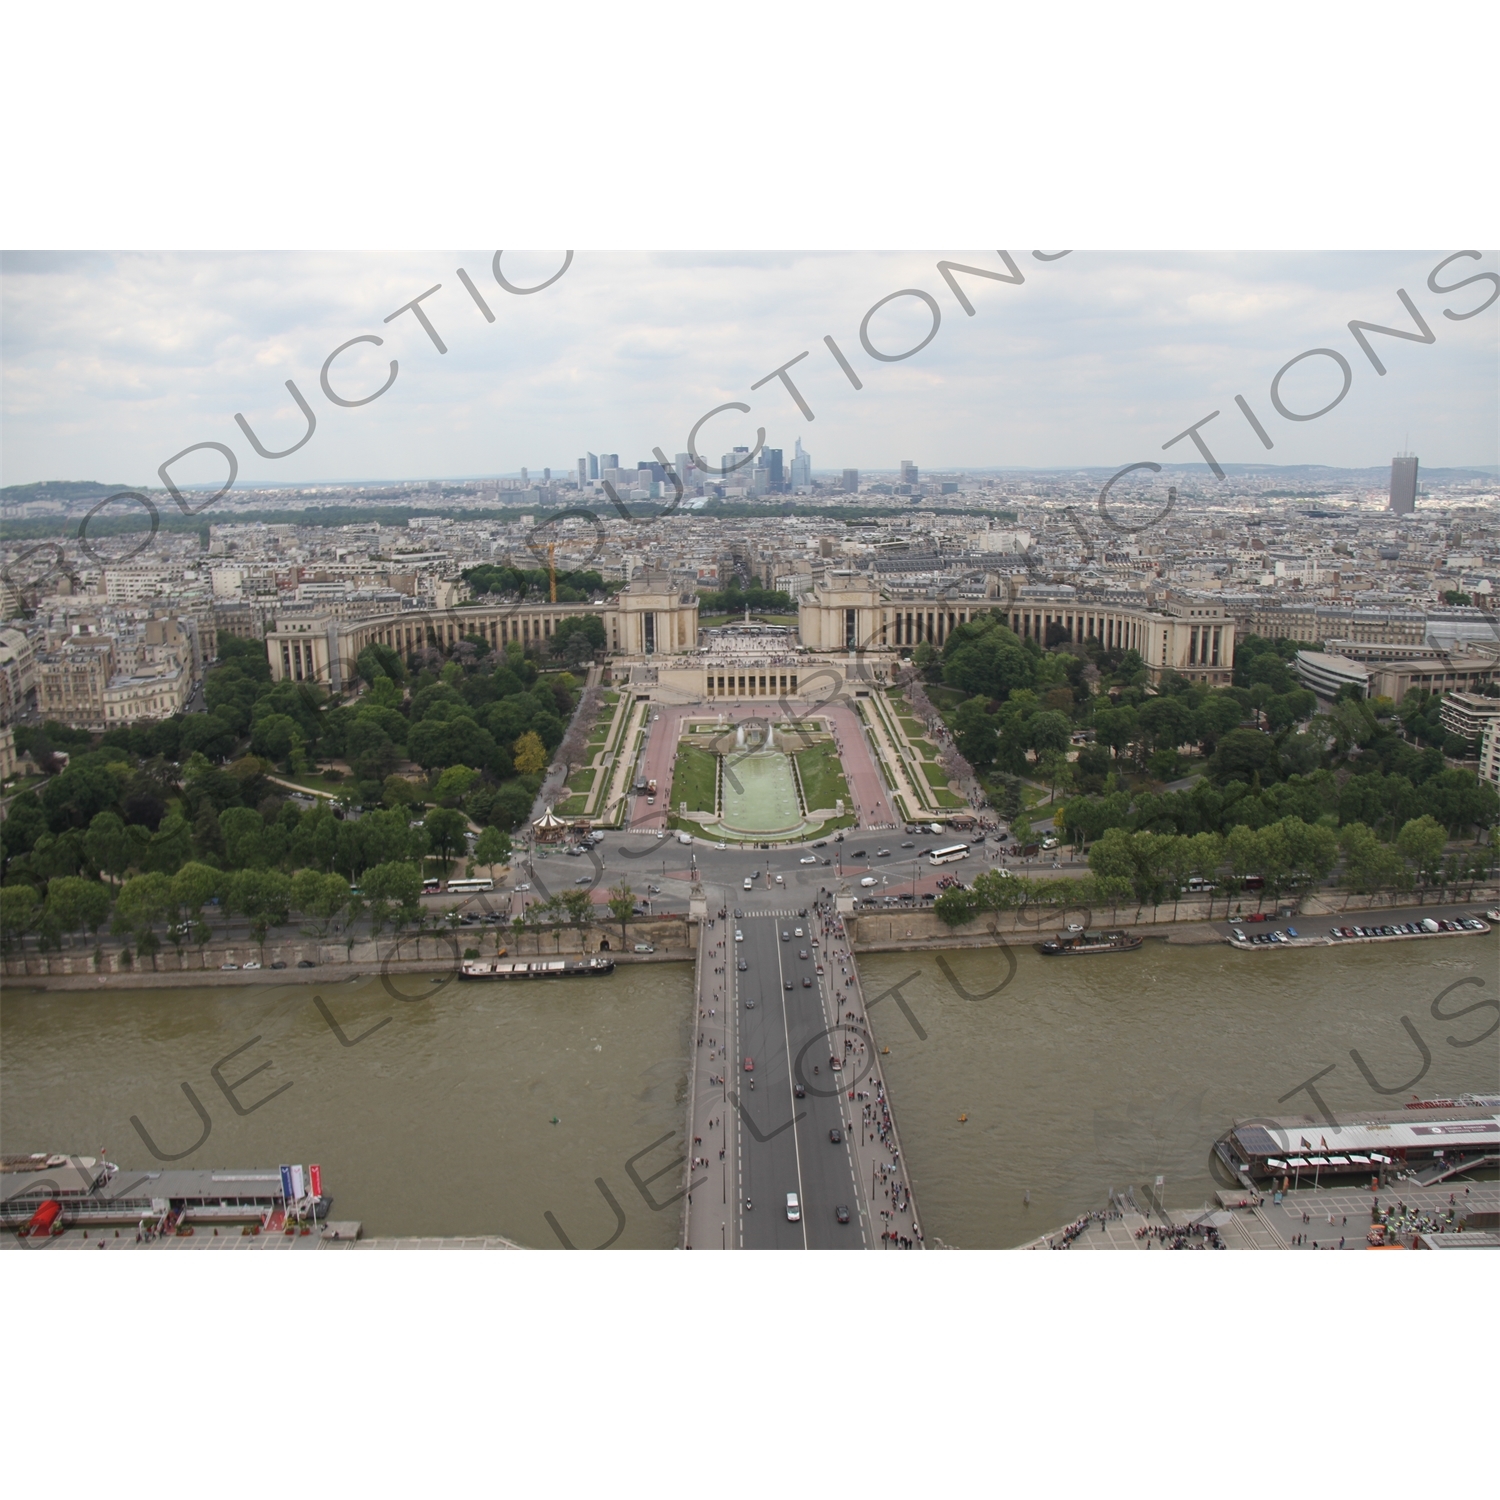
column 1075, row 941
column 535, row 968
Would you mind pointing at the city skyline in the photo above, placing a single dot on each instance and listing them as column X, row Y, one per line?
column 1092, row 361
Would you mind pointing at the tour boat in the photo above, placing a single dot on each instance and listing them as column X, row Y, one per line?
column 538, row 968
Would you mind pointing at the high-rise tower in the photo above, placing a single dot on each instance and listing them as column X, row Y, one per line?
column 1403, row 484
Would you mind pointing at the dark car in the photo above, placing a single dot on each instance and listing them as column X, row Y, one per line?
column 279, row 964
column 841, row 1213
column 306, row 963
column 836, row 1135
column 743, row 966
column 821, row 844
column 800, row 1091
column 857, row 854
column 908, row 845
column 827, row 861
column 806, row 984
column 786, row 937
column 788, row 984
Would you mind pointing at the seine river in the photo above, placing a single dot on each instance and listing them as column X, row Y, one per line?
column 1078, row 1075
column 1086, row 1074
column 439, row 1122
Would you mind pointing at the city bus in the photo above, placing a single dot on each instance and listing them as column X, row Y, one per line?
column 470, row 886
column 431, row 886
column 948, row 853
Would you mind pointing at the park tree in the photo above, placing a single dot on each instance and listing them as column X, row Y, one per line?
column 446, row 827
column 77, row 904
column 108, row 845
column 144, row 901
column 454, row 785
column 320, row 898
column 492, row 847
column 20, row 908
column 1421, row 843
column 621, row 905
column 529, row 754
column 263, row 898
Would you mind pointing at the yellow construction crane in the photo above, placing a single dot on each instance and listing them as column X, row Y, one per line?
column 552, row 568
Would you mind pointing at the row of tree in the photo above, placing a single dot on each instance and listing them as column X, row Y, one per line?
column 1286, row 858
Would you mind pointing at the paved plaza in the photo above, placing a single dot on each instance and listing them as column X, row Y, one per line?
column 1332, row 1215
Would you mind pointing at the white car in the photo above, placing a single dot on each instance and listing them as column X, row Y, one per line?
column 252, row 965
column 749, row 883
column 524, row 886
column 780, row 881
column 793, row 1208
column 808, row 859
column 721, row 846
column 869, row 880
column 661, row 833
column 739, row 937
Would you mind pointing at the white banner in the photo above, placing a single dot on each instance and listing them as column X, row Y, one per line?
column 296, row 1182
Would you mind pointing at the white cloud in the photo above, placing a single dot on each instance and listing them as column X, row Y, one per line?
column 113, row 362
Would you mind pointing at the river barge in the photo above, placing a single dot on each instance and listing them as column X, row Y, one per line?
column 1075, row 941
column 48, row 1193
column 536, row 968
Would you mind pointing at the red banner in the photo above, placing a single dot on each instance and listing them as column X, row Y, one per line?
column 316, row 1172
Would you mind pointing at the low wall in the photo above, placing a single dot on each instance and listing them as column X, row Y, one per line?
column 674, row 936
column 894, row 927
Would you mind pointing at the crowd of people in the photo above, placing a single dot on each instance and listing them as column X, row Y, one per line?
column 1182, row 1236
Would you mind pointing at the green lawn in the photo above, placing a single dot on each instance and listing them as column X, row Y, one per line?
column 582, row 781
column 822, row 775
column 695, row 779
column 574, row 807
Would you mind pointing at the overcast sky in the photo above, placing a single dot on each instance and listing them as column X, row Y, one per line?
column 114, row 362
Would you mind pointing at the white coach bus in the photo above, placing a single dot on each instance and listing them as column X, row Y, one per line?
column 949, row 853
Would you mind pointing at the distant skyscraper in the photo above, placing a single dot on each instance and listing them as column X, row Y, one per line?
column 908, row 471
column 801, row 468
column 583, row 472
column 686, row 472
column 593, row 466
column 851, row 481
column 608, row 461
column 771, row 458
column 1404, row 484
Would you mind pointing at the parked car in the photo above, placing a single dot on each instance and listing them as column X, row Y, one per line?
column 306, row 963
column 644, row 948
column 229, row 966
column 253, row 964
column 279, row 964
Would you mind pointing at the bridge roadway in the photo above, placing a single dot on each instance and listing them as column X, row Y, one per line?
column 772, row 1141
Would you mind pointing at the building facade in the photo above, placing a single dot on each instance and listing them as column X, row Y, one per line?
column 655, row 616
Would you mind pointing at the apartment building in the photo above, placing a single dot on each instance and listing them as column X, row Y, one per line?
column 71, row 681
column 17, row 674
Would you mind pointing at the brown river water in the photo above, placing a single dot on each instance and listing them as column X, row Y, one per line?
column 434, row 1116
column 1091, row 1073
column 437, row 1120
